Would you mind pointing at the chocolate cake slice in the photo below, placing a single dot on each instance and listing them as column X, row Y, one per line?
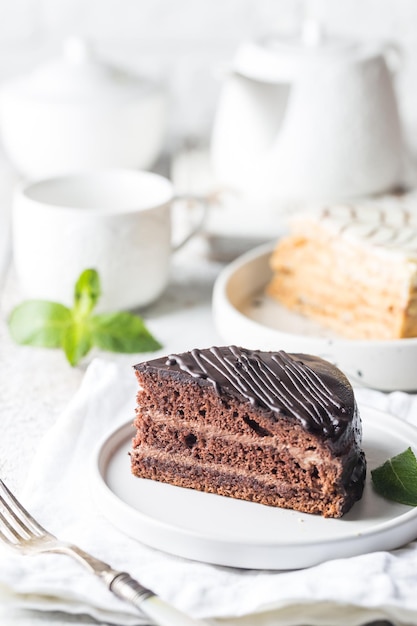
column 270, row 427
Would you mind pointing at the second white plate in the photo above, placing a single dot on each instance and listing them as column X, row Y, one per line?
column 225, row 531
column 245, row 316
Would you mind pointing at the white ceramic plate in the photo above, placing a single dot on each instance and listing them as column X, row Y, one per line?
column 225, row 531
column 245, row 316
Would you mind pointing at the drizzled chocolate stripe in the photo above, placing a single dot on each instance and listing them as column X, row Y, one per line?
column 277, row 381
column 303, row 387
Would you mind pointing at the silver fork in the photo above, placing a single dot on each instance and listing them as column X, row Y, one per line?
column 21, row 532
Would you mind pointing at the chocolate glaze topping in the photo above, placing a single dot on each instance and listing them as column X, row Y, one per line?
column 299, row 386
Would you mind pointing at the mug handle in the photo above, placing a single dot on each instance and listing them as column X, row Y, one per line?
column 200, row 202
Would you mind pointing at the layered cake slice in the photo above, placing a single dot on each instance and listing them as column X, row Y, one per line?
column 274, row 428
column 351, row 268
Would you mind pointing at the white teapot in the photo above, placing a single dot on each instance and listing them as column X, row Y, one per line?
column 76, row 112
column 308, row 118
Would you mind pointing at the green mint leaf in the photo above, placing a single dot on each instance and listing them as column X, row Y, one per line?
column 122, row 332
column 76, row 331
column 77, row 342
column 396, row 479
column 87, row 292
column 78, row 339
column 40, row 323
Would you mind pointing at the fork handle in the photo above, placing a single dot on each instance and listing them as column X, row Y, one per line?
column 162, row 613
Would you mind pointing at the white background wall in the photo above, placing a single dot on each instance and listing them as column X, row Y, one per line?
column 183, row 40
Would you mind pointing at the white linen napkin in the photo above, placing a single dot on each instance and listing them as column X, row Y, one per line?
column 346, row 591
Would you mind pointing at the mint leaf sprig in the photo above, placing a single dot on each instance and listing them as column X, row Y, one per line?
column 396, row 479
column 76, row 330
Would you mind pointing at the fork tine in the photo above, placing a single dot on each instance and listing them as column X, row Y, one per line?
column 19, row 514
column 10, row 521
column 6, row 539
column 14, row 534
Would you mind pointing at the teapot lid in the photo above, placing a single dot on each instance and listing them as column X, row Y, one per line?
column 77, row 75
column 275, row 58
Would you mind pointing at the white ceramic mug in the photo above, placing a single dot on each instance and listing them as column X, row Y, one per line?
column 115, row 221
